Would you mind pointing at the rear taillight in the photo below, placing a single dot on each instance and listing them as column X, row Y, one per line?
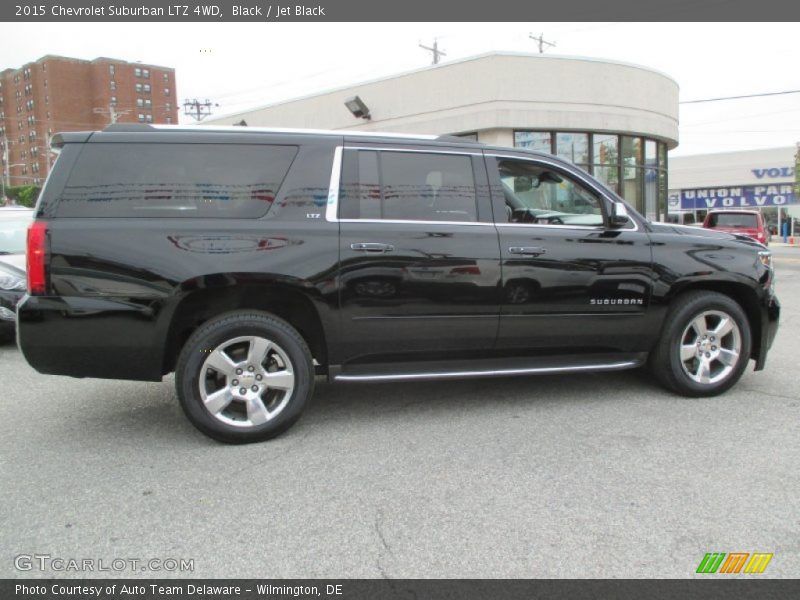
column 37, row 250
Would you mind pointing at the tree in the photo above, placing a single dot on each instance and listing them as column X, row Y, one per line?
column 24, row 195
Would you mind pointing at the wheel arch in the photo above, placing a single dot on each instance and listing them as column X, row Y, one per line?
column 296, row 303
column 742, row 293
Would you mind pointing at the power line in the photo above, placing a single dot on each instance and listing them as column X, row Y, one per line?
column 740, row 97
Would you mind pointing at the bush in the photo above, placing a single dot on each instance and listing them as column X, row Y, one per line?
column 24, row 195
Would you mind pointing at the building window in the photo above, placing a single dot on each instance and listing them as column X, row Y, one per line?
column 137, row 72
column 138, row 88
column 148, row 118
column 166, row 91
column 574, row 147
column 113, row 85
column 539, row 141
column 634, row 167
column 111, row 70
column 146, row 73
column 141, row 117
column 148, row 103
column 169, row 120
column 168, row 107
column 605, row 150
column 113, row 100
column 166, row 77
column 146, row 88
column 139, row 102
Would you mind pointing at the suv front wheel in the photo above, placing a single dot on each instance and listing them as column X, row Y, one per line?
column 244, row 377
column 705, row 345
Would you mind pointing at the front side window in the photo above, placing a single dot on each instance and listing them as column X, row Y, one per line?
column 408, row 186
column 537, row 194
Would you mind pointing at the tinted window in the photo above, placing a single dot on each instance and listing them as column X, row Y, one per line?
column 742, row 220
column 175, row 180
column 410, row 186
column 541, row 195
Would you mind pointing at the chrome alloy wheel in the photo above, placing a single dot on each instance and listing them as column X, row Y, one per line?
column 711, row 346
column 246, row 381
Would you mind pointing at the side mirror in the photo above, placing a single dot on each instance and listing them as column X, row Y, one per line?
column 619, row 215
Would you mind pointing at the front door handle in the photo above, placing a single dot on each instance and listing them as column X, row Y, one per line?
column 371, row 247
column 527, row 250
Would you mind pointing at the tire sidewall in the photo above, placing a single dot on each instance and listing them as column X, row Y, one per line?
column 681, row 320
column 197, row 351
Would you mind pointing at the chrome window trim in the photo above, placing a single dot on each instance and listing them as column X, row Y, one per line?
column 406, row 222
column 578, row 176
column 332, row 208
column 417, row 150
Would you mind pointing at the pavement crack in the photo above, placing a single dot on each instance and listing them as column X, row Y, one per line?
column 378, row 527
column 770, row 394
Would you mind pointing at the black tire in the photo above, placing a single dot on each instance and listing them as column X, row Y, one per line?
column 665, row 359
column 217, row 332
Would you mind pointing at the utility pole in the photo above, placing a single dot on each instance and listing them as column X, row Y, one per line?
column 435, row 50
column 198, row 110
column 112, row 113
column 541, row 41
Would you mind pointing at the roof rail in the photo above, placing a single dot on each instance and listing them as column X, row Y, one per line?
column 455, row 139
column 123, row 127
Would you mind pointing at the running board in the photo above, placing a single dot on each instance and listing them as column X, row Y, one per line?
column 487, row 368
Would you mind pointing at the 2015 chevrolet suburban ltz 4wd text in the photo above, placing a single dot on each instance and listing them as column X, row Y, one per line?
column 249, row 261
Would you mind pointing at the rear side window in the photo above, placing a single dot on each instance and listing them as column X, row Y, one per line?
column 741, row 220
column 175, row 180
column 408, row 186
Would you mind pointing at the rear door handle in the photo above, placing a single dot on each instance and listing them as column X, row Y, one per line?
column 371, row 247
column 527, row 250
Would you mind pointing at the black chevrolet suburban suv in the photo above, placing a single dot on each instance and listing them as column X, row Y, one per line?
column 249, row 261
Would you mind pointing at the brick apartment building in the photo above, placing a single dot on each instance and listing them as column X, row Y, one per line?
column 57, row 93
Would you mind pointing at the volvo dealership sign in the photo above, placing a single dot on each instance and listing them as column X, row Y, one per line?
column 746, row 196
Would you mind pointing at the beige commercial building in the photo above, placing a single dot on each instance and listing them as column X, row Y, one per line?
column 615, row 120
column 760, row 180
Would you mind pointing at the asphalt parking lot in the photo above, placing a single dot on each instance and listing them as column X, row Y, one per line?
column 591, row 476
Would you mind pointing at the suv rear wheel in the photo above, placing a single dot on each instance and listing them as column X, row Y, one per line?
column 244, row 377
column 705, row 345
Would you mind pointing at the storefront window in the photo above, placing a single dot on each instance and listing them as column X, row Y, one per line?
column 634, row 167
column 573, row 147
column 540, row 141
column 632, row 176
column 609, row 176
column 606, row 151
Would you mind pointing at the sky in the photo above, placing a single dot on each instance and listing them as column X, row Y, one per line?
column 245, row 65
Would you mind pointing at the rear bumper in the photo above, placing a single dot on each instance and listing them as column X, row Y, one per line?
column 89, row 337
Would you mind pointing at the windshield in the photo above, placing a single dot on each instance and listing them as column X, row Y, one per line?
column 737, row 220
column 13, row 232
